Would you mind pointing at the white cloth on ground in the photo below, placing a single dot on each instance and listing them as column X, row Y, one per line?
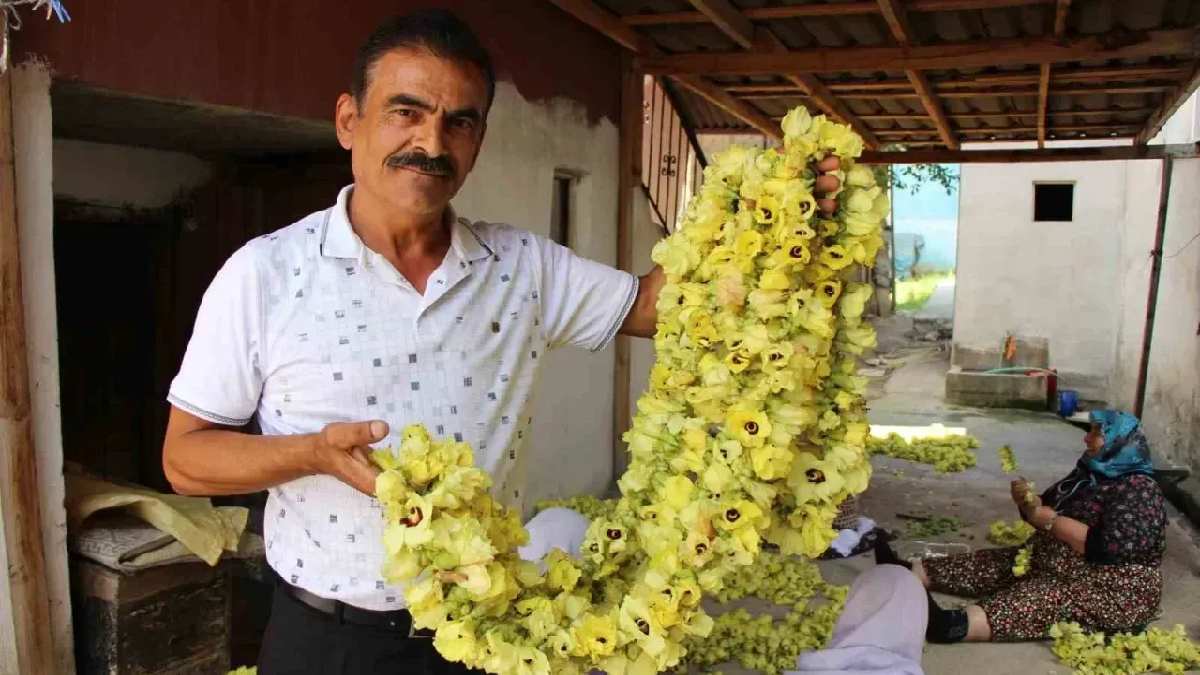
column 554, row 528
column 881, row 629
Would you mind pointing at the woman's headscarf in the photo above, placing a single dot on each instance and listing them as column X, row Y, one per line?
column 1125, row 453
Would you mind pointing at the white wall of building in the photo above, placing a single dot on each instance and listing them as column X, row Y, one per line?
column 513, row 183
column 122, row 175
column 1084, row 284
column 1046, row 279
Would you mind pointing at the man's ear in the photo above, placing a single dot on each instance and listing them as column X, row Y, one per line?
column 345, row 116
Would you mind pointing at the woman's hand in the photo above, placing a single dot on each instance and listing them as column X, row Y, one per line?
column 1025, row 500
column 1042, row 516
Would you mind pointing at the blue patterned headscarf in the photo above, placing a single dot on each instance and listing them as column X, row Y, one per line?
column 1125, row 449
column 1125, row 453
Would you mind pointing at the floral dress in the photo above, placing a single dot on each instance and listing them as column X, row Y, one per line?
column 1115, row 586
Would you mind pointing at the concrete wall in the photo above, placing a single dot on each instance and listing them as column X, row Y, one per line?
column 1172, row 412
column 512, row 182
column 32, row 145
column 1051, row 280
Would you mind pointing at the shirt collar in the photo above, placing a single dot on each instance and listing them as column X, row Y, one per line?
column 340, row 240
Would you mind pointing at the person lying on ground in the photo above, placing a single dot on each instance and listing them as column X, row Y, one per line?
column 1096, row 555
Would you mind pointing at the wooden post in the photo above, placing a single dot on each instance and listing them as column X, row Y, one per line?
column 1156, row 255
column 629, row 177
column 26, row 589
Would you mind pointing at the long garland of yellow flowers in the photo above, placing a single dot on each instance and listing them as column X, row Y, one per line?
column 753, row 430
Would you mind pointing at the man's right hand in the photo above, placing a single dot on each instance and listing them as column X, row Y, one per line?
column 342, row 450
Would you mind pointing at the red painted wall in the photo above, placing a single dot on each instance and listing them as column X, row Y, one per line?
column 293, row 57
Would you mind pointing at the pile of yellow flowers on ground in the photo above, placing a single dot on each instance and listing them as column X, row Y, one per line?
column 753, row 430
column 1008, row 459
column 1155, row 651
column 1004, row 533
column 947, row 454
column 1023, row 560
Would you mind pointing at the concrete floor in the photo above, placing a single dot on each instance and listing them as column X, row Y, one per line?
column 941, row 304
column 1046, row 448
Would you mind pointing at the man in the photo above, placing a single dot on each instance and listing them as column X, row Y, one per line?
column 382, row 311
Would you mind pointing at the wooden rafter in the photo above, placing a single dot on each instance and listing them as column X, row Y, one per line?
column 826, row 9
column 733, row 23
column 883, row 117
column 951, row 55
column 610, row 25
column 727, row 17
column 1069, row 128
column 1172, row 103
column 734, row 106
column 820, row 94
column 897, row 21
column 1061, row 9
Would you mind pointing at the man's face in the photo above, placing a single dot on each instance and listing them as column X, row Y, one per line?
column 418, row 130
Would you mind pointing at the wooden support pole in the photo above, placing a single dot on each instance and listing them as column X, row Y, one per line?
column 1043, row 101
column 26, row 582
column 629, row 178
column 1156, row 256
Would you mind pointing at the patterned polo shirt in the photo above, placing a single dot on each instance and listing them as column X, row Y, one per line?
column 307, row 326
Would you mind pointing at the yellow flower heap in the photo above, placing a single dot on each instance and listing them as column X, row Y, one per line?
column 753, row 430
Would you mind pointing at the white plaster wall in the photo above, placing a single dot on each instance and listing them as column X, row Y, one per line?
column 1184, row 125
column 1135, row 239
column 32, row 140
column 1053, row 280
column 122, row 175
column 512, row 183
column 1172, row 411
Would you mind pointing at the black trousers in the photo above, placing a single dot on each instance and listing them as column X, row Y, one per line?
column 300, row 640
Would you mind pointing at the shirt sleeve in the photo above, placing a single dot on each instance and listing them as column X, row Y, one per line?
column 583, row 302
column 221, row 378
column 1132, row 527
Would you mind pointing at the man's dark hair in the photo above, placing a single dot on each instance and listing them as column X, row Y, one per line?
column 437, row 30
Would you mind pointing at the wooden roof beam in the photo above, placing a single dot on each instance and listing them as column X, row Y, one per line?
column 951, row 55
column 901, row 95
column 1168, row 108
column 826, row 9
column 932, row 106
column 729, row 19
column 1061, row 9
column 884, row 117
column 610, row 25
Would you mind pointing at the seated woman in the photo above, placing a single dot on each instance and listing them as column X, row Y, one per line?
column 1101, row 534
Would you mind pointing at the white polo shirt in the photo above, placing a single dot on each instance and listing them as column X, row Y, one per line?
column 307, row 326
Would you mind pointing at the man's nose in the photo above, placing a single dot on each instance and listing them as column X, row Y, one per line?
column 431, row 136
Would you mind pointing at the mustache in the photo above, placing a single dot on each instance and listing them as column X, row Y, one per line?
column 441, row 165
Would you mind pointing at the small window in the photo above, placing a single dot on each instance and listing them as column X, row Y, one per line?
column 1053, row 202
column 562, row 206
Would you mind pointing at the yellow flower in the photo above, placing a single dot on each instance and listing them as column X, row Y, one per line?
column 813, row 479
column 639, row 624
column 777, row 356
column 835, row 257
column 854, row 300
column 771, row 462
column 766, row 210
column 768, row 304
column 561, row 572
column 828, row 291
column 774, row 280
column 796, row 123
column 747, row 245
column 738, row 361
column 594, row 636
column 413, row 529
column 750, row 428
column 677, row 491
column 860, row 176
column 676, row 255
column 455, row 641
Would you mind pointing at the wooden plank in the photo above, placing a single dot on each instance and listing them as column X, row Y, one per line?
column 727, row 102
column 607, row 23
column 1156, row 255
column 827, row 9
column 1061, row 9
column 629, row 176
column 897, row 21
column 1169, row 106
column 1014, row 129
column 727, row 17
column 1043, row 101
column 26, row 589
column 933, row 106
column 1095, row 154
column 951, row 55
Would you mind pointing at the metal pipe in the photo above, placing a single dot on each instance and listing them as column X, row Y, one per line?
column 1164, row 193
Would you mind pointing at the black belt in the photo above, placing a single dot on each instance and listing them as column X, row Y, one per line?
column 398, row 620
